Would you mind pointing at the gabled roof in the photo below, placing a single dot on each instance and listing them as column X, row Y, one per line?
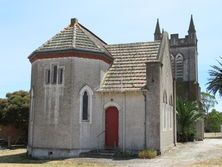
column 128, row 71
column 74, row 36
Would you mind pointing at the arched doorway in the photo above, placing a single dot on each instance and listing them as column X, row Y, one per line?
column 111, row 127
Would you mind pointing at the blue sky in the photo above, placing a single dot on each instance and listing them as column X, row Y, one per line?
column 26, row 24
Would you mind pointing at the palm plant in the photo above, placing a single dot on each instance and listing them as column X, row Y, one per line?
column 215, row 80
column 187, row 115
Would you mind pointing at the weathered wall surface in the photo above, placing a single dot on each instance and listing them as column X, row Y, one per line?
column 189, row 53
column 153, row 122
column 160, row 133
column 55, row 120
column 131, row 118
column 166, row 107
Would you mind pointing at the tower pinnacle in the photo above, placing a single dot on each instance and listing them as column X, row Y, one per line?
column 191, row 27
column 157, row 33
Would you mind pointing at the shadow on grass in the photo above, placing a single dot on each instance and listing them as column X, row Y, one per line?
column 20, row 158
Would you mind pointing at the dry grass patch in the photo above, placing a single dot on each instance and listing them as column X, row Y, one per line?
column 17, row 158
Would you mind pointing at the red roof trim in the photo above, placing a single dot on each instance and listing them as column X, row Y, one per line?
column 49, row 55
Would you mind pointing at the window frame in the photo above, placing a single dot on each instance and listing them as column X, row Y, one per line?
column 59, row 75
column 179, row 63
column 50, row 73
column 54, row 79
column 47, row 76
column 89, row 91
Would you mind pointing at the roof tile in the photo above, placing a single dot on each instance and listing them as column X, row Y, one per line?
column 128, row 71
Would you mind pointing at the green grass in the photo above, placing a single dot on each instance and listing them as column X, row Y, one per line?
column 18, row 158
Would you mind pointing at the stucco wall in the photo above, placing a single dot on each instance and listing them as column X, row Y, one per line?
column 131, row 118
column 166, row 85
column 54, row 120
column 160, row 134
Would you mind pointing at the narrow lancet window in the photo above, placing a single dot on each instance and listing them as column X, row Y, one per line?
column 47, row 76
column 85, row 107
column 60, row 75
column 54, row 79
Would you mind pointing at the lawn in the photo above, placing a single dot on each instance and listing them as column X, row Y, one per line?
column 17, row 158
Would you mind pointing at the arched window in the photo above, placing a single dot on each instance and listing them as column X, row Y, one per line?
column 173, row 64
column 85, row 104
column 85, row 107
column 179, row 66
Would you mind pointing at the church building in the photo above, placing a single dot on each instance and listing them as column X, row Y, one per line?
column 90, row 95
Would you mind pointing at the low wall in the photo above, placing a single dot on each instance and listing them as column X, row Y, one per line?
column 213, row 135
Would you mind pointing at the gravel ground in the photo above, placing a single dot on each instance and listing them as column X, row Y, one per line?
column 180, row 156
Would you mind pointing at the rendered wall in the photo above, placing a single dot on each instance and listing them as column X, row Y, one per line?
column 54, row 117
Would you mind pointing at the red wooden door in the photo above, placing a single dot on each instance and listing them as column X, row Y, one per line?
column 112, row 127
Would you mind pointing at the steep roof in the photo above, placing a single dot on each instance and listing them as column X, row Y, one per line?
column 128, row 71
column 74, row 36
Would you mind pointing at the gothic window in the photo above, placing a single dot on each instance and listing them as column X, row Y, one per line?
column 60, row 71
column 54, row 77
column 47, row 76
column 85, row 107
column 86, row 104
column 179, row 66
column 173, row 64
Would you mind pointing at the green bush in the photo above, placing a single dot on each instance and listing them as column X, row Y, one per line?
column 149, row 153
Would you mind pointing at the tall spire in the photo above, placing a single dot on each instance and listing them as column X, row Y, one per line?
column 157, row 33
column 191, row 27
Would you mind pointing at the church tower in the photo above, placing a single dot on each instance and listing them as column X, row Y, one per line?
column 184, row 58
column 184, row 61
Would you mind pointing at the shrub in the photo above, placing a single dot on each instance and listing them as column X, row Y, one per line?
column 148, row 153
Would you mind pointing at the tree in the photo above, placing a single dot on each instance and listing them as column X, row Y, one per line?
column 14, row 110
column 215, row 80
column 208, row 101
column 3, row 106
column 213, row 121
column 187, row 115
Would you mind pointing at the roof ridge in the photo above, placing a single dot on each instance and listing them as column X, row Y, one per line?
column 92, row 40
column 103, row 44
column 133, row 43
column 74, row 36
column 92, row 33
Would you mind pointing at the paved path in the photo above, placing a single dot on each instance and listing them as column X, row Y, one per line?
column 180, row 156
